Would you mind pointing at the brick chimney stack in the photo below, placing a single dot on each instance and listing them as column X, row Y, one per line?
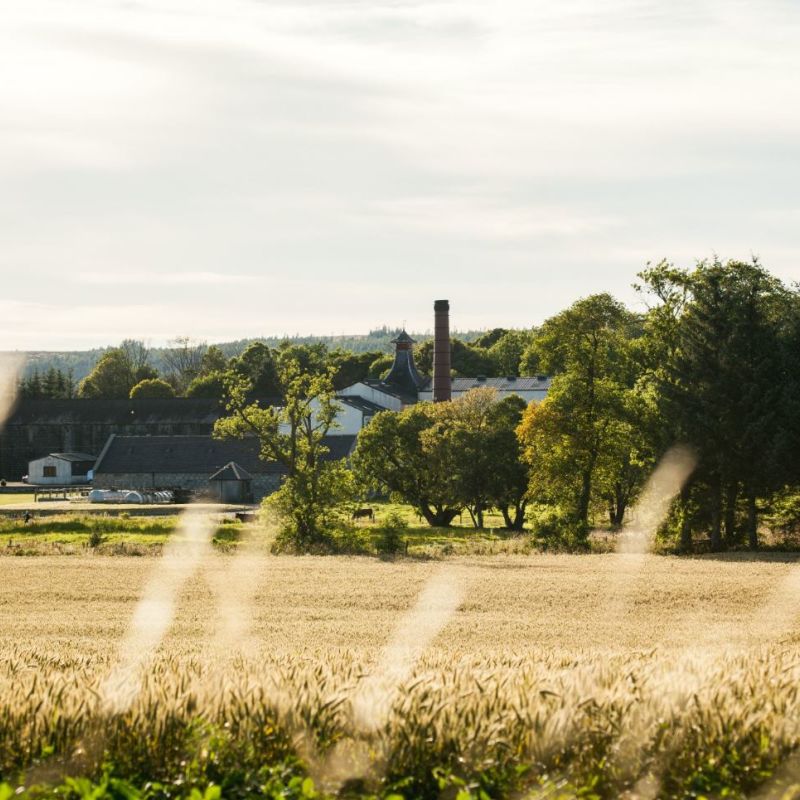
column 441, row 352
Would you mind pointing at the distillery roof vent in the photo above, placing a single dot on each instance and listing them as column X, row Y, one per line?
column 403, row 375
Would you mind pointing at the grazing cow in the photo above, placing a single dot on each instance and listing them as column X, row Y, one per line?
column 364, row 513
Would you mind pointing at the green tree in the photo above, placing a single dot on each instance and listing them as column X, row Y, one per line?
column 350, row 368
column 570, row 437
column 311, row 496
column 507, row 351
column 529, row 361
column 257, row 365
column 489, row 471
column 721, row 384
column 183, row 362
column 30, row 387
column 55, row 384
column 117, row 371
column 210, row 386
column 465, row 428
column 311, row 358
column 490, row 338
column 508, row 476
column 465, row 359
column 444, row 457
column 210, row 383
column 380, row 366
column 213, row 361
column 407, row 454
column 152, row 389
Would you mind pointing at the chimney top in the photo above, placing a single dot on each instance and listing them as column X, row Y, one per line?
column 442, row 386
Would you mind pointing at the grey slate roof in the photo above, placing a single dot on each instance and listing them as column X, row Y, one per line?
column 540, row 383
column 196, row 454
column 78, row 457
column 231, row 472
column 367, row 406
column 116, row 412
column 391, row 389
column 121, row 412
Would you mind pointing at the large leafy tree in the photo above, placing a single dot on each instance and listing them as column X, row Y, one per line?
column 489, row 471
column 445, row 457
column 408, row 454
column 572, row 440
column 722, row 332
column 210, row 382
column 152, row 389
column 117, row 371
column 507, row 473
column 210, row 386
column 213, row 360
column 183, row 362
column 257, row 367
column 465, row 359
column 350, row 368
column 293, row 434
column 465, row 428
column 507, row 351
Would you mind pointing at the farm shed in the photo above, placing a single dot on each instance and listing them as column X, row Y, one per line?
column 60, row 469
column 232, row 484
column 189, row 462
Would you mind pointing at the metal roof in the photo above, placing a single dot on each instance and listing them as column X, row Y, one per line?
column 231, row 472
column 538, row 383
column 390, row 389
column 367, row 406
column 73, row 456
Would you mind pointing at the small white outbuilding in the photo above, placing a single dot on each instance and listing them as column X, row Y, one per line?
column 61, row 469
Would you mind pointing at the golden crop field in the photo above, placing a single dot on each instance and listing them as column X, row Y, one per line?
column 519, row 676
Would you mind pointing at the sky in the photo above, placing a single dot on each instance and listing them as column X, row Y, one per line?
column 224, row 169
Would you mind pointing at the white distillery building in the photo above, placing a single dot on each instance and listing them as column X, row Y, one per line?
column 61, row 469
column 404, row 385
column 531, row 390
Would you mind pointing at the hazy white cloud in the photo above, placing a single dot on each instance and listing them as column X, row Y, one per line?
column 466, row 217
column 162, row 279
column 286, row 166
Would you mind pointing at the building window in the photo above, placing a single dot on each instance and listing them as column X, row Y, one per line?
column 49, row 472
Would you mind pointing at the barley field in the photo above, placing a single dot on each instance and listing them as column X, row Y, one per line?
column 505, row 676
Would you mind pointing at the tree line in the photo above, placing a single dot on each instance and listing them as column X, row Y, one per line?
column 79, row 364
column 712, row 364
column 196, row 369
column 52, row 383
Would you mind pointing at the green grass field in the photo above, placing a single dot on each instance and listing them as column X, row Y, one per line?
column 15, row 499
column 72, row 533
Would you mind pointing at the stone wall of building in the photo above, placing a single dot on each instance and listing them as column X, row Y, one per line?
column 262, row 485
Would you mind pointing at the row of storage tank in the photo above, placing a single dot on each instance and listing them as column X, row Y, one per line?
column 130, row 496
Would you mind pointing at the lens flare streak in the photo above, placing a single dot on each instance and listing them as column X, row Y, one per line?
column 156, row 610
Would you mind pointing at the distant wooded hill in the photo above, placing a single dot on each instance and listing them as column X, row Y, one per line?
column 79, row 363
